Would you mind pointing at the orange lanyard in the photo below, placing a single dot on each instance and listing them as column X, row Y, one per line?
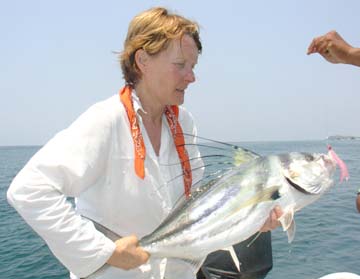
column 171, row 113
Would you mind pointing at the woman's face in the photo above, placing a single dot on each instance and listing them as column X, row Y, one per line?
column 167, row 74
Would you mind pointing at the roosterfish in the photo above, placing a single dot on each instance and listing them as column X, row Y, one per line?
column 234, row 205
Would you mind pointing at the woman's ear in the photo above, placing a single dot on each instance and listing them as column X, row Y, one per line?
column 141, row 59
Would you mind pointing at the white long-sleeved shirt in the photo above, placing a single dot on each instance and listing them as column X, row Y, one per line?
column 93, row 161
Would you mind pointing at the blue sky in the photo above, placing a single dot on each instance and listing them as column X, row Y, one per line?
column 254, row 79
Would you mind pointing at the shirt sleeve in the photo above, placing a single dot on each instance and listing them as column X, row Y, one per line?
column 66, row 166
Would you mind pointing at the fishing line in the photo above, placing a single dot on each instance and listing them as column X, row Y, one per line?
column 233, row 146
column 211, row 140
column 205, row 180
column 253, row 240
column 202, row 145
column 225, row 165
column 196, row 169
column 195, row 158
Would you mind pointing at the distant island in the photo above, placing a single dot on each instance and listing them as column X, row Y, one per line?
column 340, row 137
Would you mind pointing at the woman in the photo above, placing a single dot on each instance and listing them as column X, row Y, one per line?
column 116, row 158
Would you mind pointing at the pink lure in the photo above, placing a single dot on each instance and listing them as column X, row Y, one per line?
column 344, row 173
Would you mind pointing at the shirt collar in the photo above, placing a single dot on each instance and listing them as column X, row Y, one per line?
column 136, row 102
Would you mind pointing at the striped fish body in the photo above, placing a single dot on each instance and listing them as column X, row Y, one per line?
column 235, row 206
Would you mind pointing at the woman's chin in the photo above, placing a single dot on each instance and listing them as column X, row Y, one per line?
column 180, row 99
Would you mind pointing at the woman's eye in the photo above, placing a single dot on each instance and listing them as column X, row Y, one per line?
column 180, row 65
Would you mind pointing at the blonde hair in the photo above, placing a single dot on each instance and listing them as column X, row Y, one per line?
column 152, row 31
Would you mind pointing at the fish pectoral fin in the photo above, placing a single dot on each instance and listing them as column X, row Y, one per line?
column 163, row 264
column 286, row 219
column 233, row 256
column 267, row 194
column 195, row 263
column 291, row 231
column 288, row 224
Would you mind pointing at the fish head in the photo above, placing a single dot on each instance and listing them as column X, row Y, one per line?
column 308, row 173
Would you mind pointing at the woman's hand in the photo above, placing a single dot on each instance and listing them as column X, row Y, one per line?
column 272, row 222
column 128, row 254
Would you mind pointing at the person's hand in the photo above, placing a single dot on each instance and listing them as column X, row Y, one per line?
column 128, row 254
column 272, row 222
column 332, row 47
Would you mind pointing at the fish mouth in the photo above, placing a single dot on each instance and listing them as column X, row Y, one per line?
column 327, row 162
column 298, row 187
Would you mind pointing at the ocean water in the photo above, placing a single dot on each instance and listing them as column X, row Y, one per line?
column 327, row 232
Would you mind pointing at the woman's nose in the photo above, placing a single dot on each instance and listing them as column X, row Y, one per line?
column 190, row 76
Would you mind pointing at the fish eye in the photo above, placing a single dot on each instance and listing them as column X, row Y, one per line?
column 309, row 157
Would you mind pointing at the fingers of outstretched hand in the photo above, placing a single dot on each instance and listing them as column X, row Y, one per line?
column 323, row 47
column 312, row 47
column 319, row 45
column 128, row 254
column 324, row 44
